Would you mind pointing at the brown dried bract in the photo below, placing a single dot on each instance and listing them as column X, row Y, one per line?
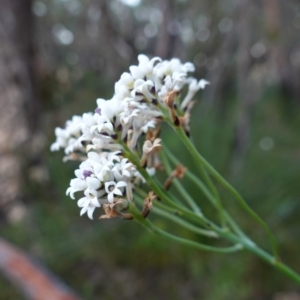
column 170, row 97
column 177, row 173
column 148, row 204
column 153, row 134
column 149, row 149
column 169, row 100
column 111, row 212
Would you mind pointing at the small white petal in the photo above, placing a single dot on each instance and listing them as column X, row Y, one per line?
column 93, row 183
column 93, row 128
column 202, row 83
column 90, row 212
column 126, row 173
column 95, row 202
column 110, row 197
column 121, row 184
column 116, row 191
column 136, row 72
column 78, row 173
column 83, row 211
column 81, row 201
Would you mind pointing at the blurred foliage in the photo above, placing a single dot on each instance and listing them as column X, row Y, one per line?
column 82, row 49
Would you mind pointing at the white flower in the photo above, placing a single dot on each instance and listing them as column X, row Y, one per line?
column 109, row 108
column 188, row 67
column 103, row 171
column 85, row 170
column 103, row 126
column 112, row 156
column 202, row 83
column 127, row 80
column 142, row 90
column 90, row 201
column 85, row 179
column 103, row 143
column 113, row 188
column 194, row 87
column 124, row 86
column 67, row 138
column 122, row 170
column 76, row 185
column 93, row 183
column 136, row 72
column 145, row 67
column 61, row 139
column 127, row 116
column 150, row 124
column 88, row 120
column 86, row 207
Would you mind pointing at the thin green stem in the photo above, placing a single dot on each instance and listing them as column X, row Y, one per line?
column 196, row 245
column 139, row 218
column 206, row 192
column 193, row 178
column 157, row 190
column 172, row 210
column 239, row 244
column 179, row 221
column 201, row 160
column 253, row 248
column 179, row 186
column 214, row 191
column 146, row 223
column 222, row 232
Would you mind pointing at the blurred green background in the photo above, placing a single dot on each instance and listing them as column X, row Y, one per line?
column 246, row 123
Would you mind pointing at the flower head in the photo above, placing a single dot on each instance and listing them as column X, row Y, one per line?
column 134, row 113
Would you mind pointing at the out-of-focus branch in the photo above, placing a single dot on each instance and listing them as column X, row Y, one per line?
column 33, row 279
column 18, row 107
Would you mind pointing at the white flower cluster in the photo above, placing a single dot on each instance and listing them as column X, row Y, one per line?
column 132, row 112
column 102, row 177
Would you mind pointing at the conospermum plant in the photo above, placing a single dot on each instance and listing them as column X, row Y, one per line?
column 120, row 151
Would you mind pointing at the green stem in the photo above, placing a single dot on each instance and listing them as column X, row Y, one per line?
column 193, row 178
column 179, row 186
column 239, row 244
column 245, row 242
column 215, row 193
column 196, row 245
column 181, row 212
column 179, row 221
column 201, row 160
column 253, row 248
column 146, row 223
column 158, row 191
column 206, row 192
